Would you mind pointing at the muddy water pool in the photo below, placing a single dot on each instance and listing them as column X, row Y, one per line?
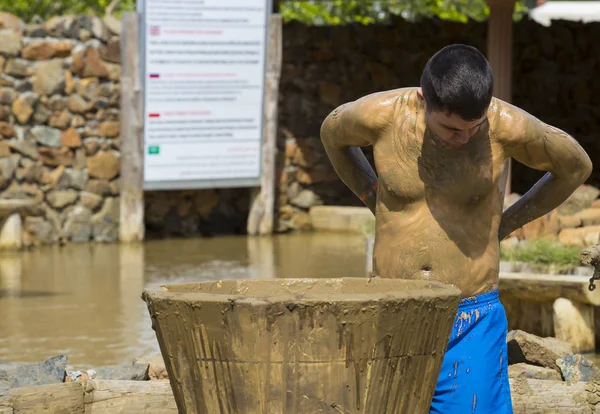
column 84, row 301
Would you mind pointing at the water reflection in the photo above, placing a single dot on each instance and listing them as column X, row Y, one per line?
column 84, row 300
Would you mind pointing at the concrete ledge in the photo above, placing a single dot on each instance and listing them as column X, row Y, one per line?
column 559, row 306
column 338, row 218
column 548, row 288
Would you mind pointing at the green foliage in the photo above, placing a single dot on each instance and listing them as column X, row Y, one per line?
column 543, row 252
column 312, row 12
column 27, row 9
column 341, row 12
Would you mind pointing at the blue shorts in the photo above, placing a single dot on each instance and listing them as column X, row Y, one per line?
column 474, row 374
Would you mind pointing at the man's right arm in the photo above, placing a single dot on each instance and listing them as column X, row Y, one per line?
column 350, row 126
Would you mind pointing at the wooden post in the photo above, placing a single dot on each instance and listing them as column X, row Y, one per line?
column 119, row 396
column 499, row 51
column 261, row 252
column 261, row 217
column 45, row 399
column 131, row 224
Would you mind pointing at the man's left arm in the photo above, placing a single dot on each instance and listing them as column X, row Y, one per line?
column 542, row 147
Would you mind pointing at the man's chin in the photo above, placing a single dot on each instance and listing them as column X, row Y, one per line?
column 450, row 142
column 456, row 144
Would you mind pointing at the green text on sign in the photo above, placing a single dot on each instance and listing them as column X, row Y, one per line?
column 154, row 150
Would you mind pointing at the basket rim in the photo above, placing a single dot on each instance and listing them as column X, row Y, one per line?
column 418, row 288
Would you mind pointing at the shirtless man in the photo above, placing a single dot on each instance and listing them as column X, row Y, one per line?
column 440, row 152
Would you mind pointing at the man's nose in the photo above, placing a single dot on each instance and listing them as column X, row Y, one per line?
column 462, row 135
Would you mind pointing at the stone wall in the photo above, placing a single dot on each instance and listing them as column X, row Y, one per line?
column 59, row 146
column 575, row 223
column 59, row 121
column 554, row 79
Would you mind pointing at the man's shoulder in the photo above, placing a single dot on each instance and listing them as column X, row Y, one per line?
column 368, row 116
column 498, row 108
column 376, row 110
column 509, row 121
column 504, row 116
column 398, row 95
column 386, row 103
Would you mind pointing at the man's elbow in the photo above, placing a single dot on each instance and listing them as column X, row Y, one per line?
column 581, row 172
column 586, row 170
column 330, row 132
column 327, row 134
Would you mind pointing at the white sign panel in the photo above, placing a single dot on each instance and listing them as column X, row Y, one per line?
column 204, row 80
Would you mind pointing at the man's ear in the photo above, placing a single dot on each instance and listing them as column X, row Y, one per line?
column 421, row 97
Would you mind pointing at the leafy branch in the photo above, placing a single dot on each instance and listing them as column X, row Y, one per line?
column 28, row 9
column 341, row 12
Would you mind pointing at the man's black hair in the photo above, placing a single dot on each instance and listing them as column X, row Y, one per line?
column 458, row 80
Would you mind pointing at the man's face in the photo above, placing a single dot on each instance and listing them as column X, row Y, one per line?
column 451, row 128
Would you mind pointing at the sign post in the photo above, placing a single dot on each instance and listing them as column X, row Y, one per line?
column 193, row 103
column 262, row 200
column 131, row 220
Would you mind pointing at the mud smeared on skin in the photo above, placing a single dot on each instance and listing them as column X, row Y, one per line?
column 302, row 345
column 439, row 209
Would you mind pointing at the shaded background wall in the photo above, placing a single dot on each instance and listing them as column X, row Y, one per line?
column 554, row 79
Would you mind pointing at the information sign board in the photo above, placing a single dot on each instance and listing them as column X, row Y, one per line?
column 203, row 71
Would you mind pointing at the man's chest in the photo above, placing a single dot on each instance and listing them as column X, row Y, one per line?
column 412, row 169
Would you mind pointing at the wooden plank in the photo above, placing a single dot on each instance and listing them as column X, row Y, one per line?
column 547, row 288
column 533, row 396
column 131, row 224
column 261, row 218
column 139, row 397
column 48, row 399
